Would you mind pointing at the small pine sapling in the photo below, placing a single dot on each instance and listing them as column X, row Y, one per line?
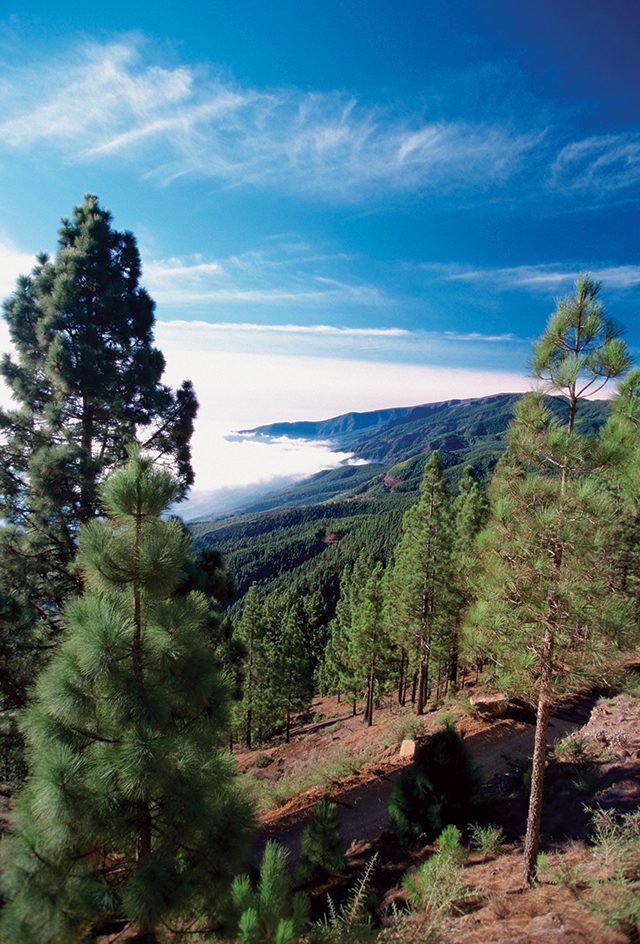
column 269, row 913
column 351, row 923
column 322, row 847
column 438, row 887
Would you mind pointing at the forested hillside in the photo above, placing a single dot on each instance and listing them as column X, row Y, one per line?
column 303, row 537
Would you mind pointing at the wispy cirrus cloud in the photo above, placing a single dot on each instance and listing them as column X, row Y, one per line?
column 112, row 101
column 285, row 276
column 599, row 164
column 472, row 350
column 536, row 278
column 177, row 121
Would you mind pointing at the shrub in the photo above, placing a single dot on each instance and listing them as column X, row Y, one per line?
column 572, row 748
column 262, row 760
column 438, row 887
column 438, row 789
column 351, row 922
column 615, row 899
column 487, row 839
column 520, row 768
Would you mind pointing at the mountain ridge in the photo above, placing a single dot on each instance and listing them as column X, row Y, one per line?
column 465, row 431
column 354, row 422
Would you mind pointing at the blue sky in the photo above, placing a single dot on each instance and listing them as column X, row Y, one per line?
column 340, row 205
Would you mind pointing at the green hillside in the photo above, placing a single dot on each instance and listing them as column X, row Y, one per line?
column 304, row 536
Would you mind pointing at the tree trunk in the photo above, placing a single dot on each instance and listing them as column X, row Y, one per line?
column 248, row 729
column 532, row 840
column 368, row 712
column 422, row 687
column 453, row 665
column 401, row 681
column 144, row 836
column 87, row 489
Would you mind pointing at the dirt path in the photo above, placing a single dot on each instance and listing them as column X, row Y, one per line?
column 363, row 806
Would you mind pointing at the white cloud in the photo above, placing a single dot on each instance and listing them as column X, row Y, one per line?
column 599, row 164
column 477, row 336
column 280, row 276
column 240, row 390
column 181, row 121
column 542, row 278
column 13, row 263
column 260, row 383
column 382, row 345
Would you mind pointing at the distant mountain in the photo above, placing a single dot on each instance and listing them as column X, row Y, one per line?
column 466, row 432
column 344, row 429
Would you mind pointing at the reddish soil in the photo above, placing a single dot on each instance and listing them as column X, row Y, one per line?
column 363, row 795
column 503, row 912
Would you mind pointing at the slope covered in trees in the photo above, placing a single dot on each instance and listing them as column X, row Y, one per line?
column 304, row 536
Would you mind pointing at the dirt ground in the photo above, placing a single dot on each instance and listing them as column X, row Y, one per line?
column 500, row 911
column 504, row 913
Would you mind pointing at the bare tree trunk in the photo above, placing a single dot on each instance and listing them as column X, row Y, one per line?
column 422, row 687
column 532, row 840
column 368, row 711
column 401, row 682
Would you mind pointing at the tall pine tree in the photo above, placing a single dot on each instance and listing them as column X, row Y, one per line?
column 423, row 591
column 550, row 605
column 369, row 643
column 86, row 380
column 471, row 510
column 131, row 807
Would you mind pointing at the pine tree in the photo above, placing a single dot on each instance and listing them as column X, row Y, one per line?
column 250, row 631
column 322, row 848
column 471, row 510
column 551, row 607
column 335, row 675
column 439, row 788
column 287, row 678
column 131, row 809
column 621, row 437
column 580, row 350
column 87, row 382
column 348, row 673
column 423, row 592
column 278, row 681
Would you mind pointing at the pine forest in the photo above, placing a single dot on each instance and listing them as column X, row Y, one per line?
column 492, row 543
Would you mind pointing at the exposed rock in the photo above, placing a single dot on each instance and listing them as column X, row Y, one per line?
column 548, row 922
column 492, row 706
column 407, row 748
